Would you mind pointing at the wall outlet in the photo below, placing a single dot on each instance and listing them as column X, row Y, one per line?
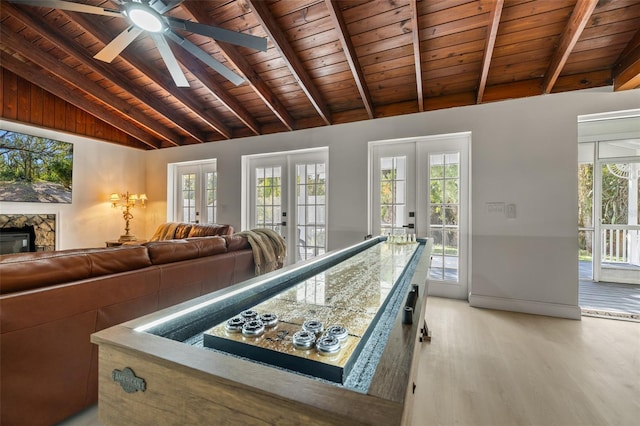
column 510, row 211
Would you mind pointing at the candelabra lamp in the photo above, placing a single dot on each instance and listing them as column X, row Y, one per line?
column 126, row 202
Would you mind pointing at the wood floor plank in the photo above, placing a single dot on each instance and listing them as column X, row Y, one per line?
column 501, row 368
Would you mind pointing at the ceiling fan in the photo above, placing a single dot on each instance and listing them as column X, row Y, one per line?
column 148, row 16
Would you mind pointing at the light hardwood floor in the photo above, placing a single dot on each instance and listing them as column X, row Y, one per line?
column 486, row 367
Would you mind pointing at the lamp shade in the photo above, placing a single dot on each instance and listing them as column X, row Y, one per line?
column 114, row 197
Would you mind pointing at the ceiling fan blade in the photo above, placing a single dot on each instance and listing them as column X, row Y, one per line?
column 118, row 44
column 163, row 6
column 70, row 6
column 170, row 60
column 233, row 37
column 206, row 58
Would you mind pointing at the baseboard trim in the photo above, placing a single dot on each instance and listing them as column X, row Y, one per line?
column 526, row 306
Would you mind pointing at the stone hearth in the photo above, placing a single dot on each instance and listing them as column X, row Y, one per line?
column 44, row 227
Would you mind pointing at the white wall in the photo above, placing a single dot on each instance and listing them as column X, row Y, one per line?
column 524, row 152
column 98, row 170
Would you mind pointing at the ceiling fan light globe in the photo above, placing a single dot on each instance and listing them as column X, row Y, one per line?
column 145, row 18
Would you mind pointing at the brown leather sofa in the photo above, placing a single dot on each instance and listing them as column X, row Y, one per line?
column 51, row 302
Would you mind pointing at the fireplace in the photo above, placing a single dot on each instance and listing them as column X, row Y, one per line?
column 27, row 232
column 17, row 240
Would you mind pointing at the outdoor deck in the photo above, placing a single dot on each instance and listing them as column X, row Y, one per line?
column 602, row 299
column 607, row 299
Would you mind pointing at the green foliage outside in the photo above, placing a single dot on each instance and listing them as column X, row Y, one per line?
column 615, row 204
column 444, row 198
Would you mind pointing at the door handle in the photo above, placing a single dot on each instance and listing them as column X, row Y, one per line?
column 283, row 223
column 410, row 226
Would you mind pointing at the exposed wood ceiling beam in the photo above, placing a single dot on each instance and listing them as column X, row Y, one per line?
column 196, row 12
column 350, row 53
column 626, row 71
column 78, row 80
column 258, row 85
column 159, row 77
column 52, row 85
column 58, row 38
column 200, row 71
column 278, row 38
column 578, row 20
column 415, row 30
column 490, row 41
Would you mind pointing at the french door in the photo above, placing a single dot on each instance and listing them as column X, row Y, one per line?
column 287, row 193
column 617, row 230
column 421, row 187
column 195, row 193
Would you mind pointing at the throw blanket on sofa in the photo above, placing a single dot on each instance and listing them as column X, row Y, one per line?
column 269, row 249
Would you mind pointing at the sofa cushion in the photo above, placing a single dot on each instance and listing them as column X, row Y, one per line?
column 167, row 251
column 24, row 271
column 210, row 229
column 208, row 246
column 118, row 259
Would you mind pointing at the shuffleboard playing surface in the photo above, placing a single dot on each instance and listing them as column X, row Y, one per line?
column 351, row 294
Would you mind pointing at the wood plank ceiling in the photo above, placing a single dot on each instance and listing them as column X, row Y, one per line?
column 328, row 61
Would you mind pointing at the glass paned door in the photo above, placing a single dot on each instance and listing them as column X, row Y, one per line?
column 422, row 187
column 289, row 195
column 444, row 209
column 195, row 194
column 393, row 189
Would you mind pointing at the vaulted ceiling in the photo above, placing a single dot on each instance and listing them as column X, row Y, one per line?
column 327, row 62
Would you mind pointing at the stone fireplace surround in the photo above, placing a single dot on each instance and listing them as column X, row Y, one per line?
column 44, row 226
